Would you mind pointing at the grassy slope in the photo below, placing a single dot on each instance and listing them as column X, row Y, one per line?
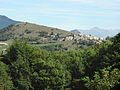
column 19, row 29
column 16, row 30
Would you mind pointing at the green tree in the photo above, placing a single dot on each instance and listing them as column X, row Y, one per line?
column 48, row 74
column 103, row 80
column 5, row 80
column 17, row 58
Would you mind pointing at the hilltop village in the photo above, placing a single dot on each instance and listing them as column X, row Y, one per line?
column 77, row 37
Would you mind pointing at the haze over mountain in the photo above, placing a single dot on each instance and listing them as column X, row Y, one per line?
column 5, row 21
column 98, row 32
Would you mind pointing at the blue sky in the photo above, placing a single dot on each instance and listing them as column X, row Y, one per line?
column 65, row 14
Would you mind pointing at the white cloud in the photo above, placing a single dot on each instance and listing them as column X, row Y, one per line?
column 69, row 12
column 99, row 3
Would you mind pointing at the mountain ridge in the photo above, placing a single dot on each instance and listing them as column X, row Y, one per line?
column 5, row 21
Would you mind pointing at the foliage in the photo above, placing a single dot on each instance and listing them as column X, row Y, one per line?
column 5, row 80
column 49, row 75
column 57, row 47
column 27, row 67
column 103, row 80
column 30, row 68
column 43, row 34
column 17, row 58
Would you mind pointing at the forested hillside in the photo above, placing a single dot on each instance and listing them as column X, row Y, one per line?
column 27, row 67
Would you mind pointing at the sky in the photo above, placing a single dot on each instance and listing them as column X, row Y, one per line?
column 65, row 14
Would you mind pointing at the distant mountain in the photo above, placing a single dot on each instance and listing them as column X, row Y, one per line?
column 75, row 31
column 98, row 32
column 5, row 21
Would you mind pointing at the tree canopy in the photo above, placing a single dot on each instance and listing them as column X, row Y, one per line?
column 27, row 67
